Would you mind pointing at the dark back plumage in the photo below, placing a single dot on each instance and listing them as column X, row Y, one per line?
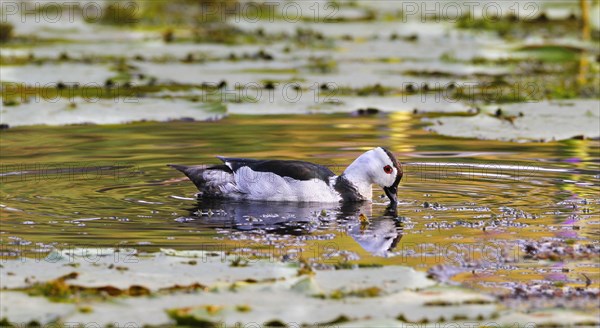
column 298, row 170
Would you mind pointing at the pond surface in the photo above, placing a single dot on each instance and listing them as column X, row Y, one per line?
column 495, row 121
column 486, row 213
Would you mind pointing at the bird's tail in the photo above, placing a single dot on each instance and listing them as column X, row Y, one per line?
column 194, row 173
column 208, row 179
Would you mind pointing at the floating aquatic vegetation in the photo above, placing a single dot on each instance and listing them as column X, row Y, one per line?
column 511, row 26
column 570, row 119
column 386, row 286
column 553, row 53
column 558, row 250
column 104, row 111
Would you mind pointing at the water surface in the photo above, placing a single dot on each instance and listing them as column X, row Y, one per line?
column 468, row 208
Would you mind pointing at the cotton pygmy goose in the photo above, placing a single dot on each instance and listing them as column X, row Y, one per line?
column 297, row 181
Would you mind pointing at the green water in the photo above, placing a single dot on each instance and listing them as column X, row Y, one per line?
column 476, row 216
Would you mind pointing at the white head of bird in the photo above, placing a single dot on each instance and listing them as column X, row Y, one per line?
column 377, row 166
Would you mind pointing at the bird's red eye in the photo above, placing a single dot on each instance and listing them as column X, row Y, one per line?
column 388, row 169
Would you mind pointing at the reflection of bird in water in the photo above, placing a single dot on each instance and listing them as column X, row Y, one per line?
column 275, row 217
column 378, row 238
column 282, row 218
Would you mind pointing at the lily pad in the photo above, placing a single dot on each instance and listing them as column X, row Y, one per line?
column 526, row 121
column 552, row 318
column 100, row 267
column 47, row 76
column 121, row 109
column 22, row 309
column 554, row 53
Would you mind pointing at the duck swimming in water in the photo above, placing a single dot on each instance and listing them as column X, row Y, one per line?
column 297, row 181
